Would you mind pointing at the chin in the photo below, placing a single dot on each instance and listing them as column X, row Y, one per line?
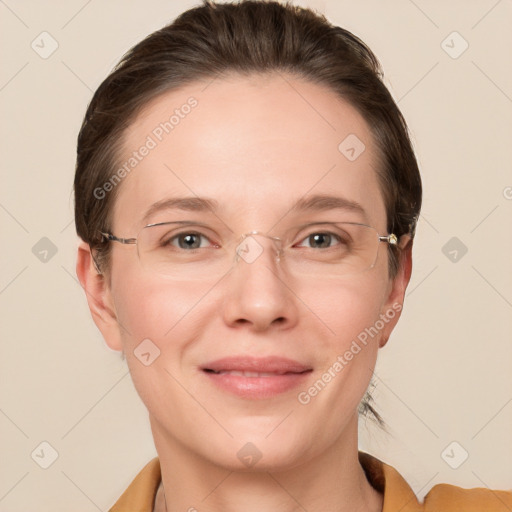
column 250, row 458
column 255, row 451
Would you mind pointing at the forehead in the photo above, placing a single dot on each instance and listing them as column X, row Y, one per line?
column 253, row 144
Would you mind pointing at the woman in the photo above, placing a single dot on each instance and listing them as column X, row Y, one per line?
column 247, row 197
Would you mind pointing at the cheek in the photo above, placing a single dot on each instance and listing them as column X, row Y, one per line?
column 345, row 310
column 349, row 317
column 160, row 321
column 149, row 307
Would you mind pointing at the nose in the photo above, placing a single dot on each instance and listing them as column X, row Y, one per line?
column 257, row 292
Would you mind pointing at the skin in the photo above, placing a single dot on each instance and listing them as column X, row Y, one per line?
column 256, row 145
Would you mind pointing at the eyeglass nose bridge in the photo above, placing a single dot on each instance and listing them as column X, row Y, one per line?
column 249, row 249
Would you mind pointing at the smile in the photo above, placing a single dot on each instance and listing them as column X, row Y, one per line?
column 248, row 374
column 256, row 378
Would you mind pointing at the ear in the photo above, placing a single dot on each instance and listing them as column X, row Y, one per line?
column 99, row 297
column 392, row 307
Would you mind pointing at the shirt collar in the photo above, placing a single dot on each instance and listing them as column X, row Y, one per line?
column 398, row 495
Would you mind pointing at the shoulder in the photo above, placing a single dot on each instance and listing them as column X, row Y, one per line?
column 450, row 497
column 399, row 496
column 141, row 493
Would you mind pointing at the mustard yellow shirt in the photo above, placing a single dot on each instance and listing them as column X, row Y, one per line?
column 398, row 495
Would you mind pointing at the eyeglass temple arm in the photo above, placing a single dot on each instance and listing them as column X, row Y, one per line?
column 113, row 238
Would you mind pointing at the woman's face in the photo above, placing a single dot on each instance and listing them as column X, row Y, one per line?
column 255, row 146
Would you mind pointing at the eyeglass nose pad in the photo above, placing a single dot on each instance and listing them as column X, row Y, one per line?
column 249, row 249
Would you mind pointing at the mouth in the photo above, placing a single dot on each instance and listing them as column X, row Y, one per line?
column 247, row 374
column 256, row 378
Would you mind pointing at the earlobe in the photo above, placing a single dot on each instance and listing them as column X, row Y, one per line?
column 99, row 297
column 392, row 308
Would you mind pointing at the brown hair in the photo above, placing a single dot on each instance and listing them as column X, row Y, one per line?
column 246, row 38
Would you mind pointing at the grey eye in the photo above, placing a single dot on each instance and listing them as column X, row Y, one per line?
column 188, row 240
column 320, row 240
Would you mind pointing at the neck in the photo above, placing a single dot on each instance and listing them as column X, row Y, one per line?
column 332, row 481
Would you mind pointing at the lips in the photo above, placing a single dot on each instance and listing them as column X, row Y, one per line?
column 256, row 378
column 268, row 365
column 247, row 374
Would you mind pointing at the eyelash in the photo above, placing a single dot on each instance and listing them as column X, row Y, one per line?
column 185, row 233
column 196, row 233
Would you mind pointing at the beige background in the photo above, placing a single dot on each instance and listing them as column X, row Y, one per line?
column 445, row 375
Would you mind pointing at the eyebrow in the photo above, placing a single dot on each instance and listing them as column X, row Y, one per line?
column 324, row 202
column 189, row 204
column 318, row 202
